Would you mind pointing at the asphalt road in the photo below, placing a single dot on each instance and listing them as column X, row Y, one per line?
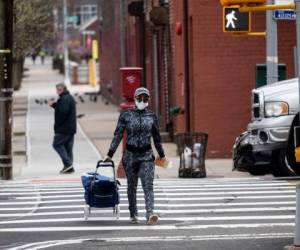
column 248, row 213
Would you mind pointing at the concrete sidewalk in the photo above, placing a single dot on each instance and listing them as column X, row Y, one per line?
column 92, row 141
column 42, row 160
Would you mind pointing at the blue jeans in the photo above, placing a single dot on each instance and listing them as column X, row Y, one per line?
column 63, row 145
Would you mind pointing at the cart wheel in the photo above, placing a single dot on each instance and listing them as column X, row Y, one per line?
column 117, row 209
column 87, row 211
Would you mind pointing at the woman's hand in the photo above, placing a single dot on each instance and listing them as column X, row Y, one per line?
column 161, row 162
column 107, row 158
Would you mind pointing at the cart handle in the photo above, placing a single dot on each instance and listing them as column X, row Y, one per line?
column 107, row 163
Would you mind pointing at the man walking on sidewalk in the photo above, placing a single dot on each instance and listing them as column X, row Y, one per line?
column 64, row 127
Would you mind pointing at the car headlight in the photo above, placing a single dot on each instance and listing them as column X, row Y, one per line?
column 273, row 109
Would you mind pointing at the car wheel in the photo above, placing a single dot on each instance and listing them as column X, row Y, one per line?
column 258, row 171
column 290, row 152
column 280, row 164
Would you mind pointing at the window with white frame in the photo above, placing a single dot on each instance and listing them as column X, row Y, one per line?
column 86, row 12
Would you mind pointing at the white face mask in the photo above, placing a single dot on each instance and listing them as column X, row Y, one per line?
column 141, row 105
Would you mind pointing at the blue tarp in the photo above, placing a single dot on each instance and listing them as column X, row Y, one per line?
column 87, row 178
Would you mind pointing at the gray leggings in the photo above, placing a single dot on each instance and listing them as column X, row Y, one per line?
column 139, row 165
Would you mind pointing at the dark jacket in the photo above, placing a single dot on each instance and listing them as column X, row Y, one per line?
column 140, row 127
column 65, row 114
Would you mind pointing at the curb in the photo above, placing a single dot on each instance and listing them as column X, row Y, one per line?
column 292, row 248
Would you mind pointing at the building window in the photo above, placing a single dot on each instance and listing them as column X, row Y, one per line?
column 86, row 12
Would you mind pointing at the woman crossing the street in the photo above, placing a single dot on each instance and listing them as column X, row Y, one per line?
column 140, row 125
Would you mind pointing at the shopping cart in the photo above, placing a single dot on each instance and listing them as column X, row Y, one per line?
column 101, row 191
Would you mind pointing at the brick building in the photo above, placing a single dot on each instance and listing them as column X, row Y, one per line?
column 221, row 68
column 142, row 44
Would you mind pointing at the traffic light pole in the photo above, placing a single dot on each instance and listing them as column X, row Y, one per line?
column 297, row 132
column 6, row 89
column 272, row 47
column 298, row 44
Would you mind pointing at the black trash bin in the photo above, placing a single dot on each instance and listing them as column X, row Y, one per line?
column 191, row 149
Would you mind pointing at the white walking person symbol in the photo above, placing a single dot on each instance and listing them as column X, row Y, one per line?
column 230, row 19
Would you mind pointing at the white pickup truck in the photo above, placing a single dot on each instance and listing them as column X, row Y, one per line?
column 268, row 144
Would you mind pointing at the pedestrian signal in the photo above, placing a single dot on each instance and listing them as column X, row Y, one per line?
column 236, row 21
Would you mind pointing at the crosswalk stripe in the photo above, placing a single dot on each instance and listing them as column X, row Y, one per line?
column 173, row 211
column 160, row 199
column 174, row 194
column 165, row 205
column 80, row 190
column 181, row 204
column 144, row 228
column 171, row 219
column 166, row 184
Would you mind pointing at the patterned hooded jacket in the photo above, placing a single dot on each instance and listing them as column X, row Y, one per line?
column 140, row 126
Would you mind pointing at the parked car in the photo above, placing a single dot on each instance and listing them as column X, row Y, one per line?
column 268, row 144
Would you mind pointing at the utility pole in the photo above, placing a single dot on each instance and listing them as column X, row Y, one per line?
column 186, row 65
column 6, row 88
column 272, row 46
column 143, row 54
column 122, row 33
column 66, row 49
column 155, row 72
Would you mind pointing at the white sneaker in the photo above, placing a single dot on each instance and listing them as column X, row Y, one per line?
column 67, row 170
column 134, row 220
column 153, row 219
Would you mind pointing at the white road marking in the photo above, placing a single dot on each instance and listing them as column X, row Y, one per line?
column 47, row 244
column 80, row 190
column 160, row 199
column 144, row 228
column 214, row 183
column 229, row 196
column 214, row 193
column 172, row 211
column 171, row 194
column 184, row 219
column 92, row 145
column 165, row 205
column 166, row 183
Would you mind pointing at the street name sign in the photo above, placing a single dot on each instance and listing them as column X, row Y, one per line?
column 88, row 32
column 236, row 21
column 73, row 19
column 284, row 14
